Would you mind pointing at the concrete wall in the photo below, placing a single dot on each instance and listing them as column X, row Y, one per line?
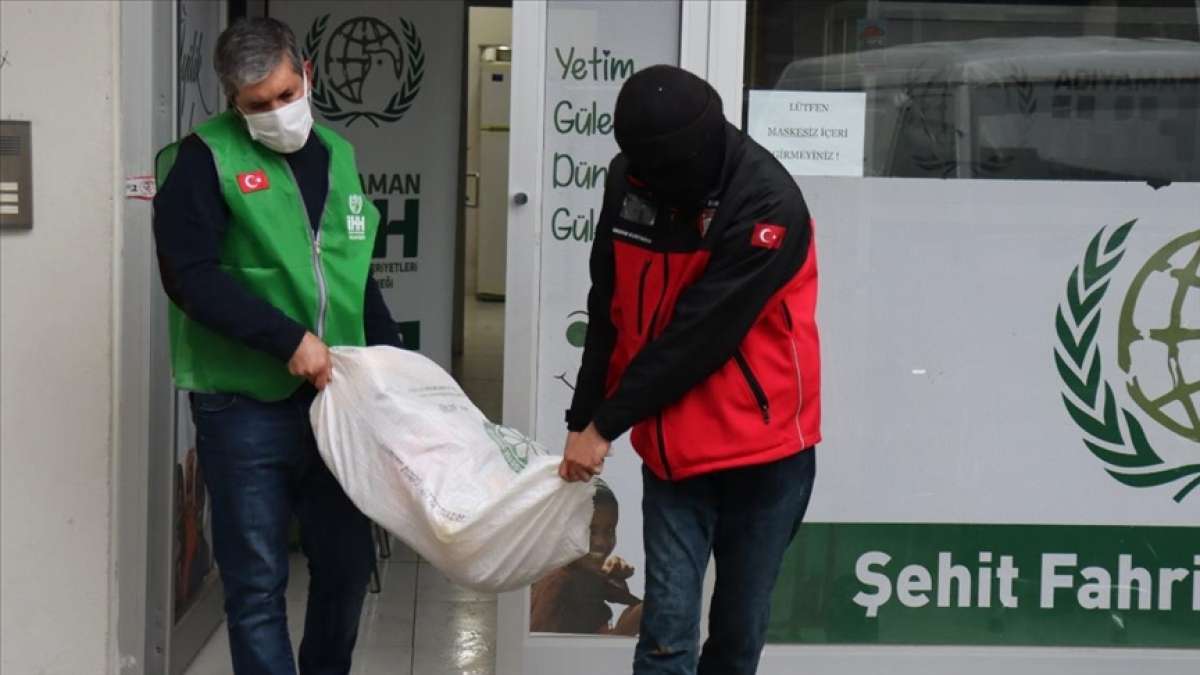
column 56, row 342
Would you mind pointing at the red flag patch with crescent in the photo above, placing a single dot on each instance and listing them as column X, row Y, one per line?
column 768, row 235
column 253, row 181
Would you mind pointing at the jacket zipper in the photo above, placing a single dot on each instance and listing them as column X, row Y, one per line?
column 760, row 396
column 315, row 242
column 662, row 436
column 641, row 306
column 666, row 284
column 662, row 447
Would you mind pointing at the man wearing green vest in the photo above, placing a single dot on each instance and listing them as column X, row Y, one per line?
column 264, row 241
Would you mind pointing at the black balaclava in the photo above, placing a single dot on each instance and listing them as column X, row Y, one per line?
column 670, row 125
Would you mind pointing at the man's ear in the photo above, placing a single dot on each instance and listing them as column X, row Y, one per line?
column 308, row 71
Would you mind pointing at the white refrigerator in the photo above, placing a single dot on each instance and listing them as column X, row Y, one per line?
column 494, row 84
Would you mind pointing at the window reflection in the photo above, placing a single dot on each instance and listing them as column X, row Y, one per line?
column 1064, row 91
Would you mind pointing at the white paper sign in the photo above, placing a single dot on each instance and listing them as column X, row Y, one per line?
column 140, row 187
column 814, row 133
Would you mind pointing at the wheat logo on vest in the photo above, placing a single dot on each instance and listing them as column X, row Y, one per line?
column 356, row 222
column 364, row 69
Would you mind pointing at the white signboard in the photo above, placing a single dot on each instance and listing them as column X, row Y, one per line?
column 1010, row 395
column 813, row 133
column 939, row 317
column 388, row 78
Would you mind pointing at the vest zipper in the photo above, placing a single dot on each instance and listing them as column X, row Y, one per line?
column 760, row 396
column 641, row 306
column 315, row 242
column 320, row 230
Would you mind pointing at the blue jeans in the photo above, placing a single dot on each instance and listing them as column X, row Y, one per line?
column 746, row 518
column 261, row 465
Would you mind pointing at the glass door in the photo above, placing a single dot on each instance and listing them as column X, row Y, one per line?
column 184, row 602
column 570, row 59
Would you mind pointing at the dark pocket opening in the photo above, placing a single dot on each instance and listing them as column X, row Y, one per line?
column 756, row 390
column 211, row 403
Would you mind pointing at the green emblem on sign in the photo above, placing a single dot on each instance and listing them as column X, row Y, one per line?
column 577, row 330
column 1153, row 338
column 515, row 447
column 576, row 337
column 366, row 72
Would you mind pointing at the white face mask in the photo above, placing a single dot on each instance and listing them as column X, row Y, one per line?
column 284, row 129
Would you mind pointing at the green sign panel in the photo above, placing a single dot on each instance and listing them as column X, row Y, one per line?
column 1032, row 585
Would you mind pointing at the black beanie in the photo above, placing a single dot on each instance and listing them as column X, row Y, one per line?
column 670, row 124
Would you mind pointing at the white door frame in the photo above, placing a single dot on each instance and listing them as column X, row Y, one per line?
column 712, row 45
column 522, row 287
column 143, row 402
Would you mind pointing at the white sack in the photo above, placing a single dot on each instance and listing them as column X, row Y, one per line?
column 481, row 502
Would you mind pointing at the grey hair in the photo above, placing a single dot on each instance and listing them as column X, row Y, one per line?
column 249, row 50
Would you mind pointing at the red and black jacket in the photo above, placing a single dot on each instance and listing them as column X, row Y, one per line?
column 702, row 335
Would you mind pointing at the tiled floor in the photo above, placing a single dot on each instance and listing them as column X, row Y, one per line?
column 420, row 624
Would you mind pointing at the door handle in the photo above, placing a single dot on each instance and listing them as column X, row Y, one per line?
column 520, row 199
column 473, row 203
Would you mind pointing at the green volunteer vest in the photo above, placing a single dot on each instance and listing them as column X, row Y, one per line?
column 317, row 279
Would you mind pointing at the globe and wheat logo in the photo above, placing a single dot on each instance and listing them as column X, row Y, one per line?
column 1158, row 356
column 363, row 69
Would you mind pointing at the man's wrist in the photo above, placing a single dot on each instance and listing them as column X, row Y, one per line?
column 576, row 422
column 289, row 338
column 607, row 425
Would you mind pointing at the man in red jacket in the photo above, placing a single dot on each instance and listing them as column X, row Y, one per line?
column 702, row 339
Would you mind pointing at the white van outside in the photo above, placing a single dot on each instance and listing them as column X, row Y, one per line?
column 1048, row 108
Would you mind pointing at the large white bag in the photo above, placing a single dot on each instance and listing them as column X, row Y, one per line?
column 481, row 502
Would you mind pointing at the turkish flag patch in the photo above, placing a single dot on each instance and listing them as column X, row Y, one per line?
column 767, row 235
column 253, row 181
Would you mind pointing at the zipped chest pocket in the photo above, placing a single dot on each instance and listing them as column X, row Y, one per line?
column 641, row 298
column 652, row 292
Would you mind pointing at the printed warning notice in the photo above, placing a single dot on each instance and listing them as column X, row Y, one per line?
column 813, row 133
